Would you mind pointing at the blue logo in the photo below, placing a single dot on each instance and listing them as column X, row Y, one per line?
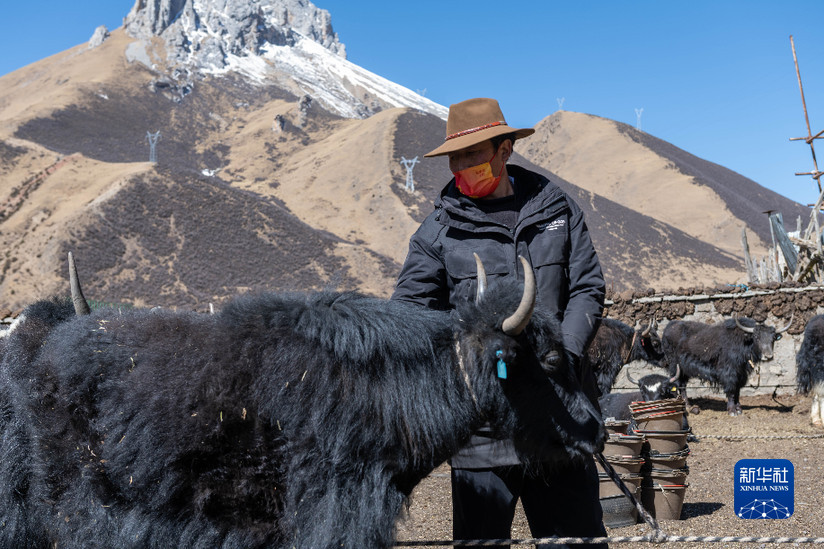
column 764, row 488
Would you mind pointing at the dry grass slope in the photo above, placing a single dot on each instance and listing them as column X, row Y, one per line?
column 312, row 202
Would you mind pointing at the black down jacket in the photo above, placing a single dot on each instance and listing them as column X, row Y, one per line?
column 550, row 233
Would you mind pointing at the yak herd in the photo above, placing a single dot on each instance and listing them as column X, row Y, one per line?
column 306, row 419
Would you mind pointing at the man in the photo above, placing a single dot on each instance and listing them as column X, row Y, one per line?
column 501, row 211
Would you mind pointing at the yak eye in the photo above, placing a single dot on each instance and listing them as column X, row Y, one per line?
column 777, row 337
column 553, row 357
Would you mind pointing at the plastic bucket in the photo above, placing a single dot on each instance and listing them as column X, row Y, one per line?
column 622, row 464
column 607, row 487
column 664, row 502
column 675, row 460
column 665, row 442
column 666, row 477
column 661, row 421
column 617, row 426
column 623, row 445
column 652, row 406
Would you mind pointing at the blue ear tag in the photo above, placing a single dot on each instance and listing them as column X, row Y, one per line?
column 501, row 364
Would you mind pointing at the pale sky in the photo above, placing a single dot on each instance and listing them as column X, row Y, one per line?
column 715, row 78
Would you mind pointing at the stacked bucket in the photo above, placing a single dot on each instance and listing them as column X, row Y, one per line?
column 622, row 451
column 664, row 452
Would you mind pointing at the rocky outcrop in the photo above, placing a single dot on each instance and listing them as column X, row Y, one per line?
column 152, row 17
column 208, row 31
column 99, row 36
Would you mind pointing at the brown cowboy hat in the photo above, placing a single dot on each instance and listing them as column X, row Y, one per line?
column 473, row 121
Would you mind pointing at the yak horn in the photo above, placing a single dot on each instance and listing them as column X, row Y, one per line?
column 646, row 332
column 479, row 293
column 516, row 323
column 629, row 378
column 674, row 378
column 787, row 327
column 81, row 306
column 742, row 327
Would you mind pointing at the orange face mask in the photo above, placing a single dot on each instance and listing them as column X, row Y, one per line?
column 478, row 181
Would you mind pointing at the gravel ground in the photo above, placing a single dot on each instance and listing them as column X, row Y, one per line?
column 708, row 502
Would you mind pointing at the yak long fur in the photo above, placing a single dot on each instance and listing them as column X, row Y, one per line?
column 18, row 348
column 285, row 420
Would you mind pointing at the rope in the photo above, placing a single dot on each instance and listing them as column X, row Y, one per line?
column 760, row 436
column 608, row 540
column 625, row 361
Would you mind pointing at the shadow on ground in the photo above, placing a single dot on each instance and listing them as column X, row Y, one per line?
column 700, row 508
column 772, row 403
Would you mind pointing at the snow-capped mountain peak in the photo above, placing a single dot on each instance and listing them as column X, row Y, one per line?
column 289, row 43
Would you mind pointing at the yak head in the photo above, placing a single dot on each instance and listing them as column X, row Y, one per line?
column 763, row 336
column 647, row 336
column 657, row 386
column 524, row 383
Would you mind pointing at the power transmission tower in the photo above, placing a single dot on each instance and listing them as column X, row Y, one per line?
column 560, row 101
column 409, row 164
column 638, row 118
column 153, row 138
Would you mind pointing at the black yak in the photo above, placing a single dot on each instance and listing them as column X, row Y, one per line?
column 722, row 354
column 284, row 420
column 809, row 363
column 650, row 387
column 657, row 386
column 616, row 344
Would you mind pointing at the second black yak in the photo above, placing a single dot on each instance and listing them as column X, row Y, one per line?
column 616, row 344
column 722, row 354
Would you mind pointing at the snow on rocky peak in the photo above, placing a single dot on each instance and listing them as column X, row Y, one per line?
column 289, row 43
column 343, row 87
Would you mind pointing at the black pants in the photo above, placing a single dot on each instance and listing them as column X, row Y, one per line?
column 561, row 502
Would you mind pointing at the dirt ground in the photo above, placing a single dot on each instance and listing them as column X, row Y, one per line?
column 709, row 500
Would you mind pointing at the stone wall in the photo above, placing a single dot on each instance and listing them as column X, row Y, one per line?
column 775, row 304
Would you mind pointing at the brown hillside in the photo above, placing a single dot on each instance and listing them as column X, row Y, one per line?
column 75, row 177
column 636, row 250
column 651, row 176
column 249, row 194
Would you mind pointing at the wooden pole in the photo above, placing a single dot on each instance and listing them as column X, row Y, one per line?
column 752, row 276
